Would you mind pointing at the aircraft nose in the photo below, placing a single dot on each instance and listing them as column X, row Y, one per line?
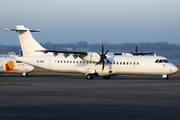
column 174, row 69
column 31, row 68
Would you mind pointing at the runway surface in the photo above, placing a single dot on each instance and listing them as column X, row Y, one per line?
column 75, row 98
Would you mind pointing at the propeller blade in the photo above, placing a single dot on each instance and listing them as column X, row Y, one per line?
column 136, row 49
column 132, row 53
column 107, row 61
column 103, row 66
column 102, row 49
column 97, row 63
column 106, row 52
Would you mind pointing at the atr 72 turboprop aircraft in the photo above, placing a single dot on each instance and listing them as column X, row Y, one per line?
column 8, row 64
column 90, row 64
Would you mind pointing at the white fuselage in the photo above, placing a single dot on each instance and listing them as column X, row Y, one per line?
column 119, row 65
column 10, row 65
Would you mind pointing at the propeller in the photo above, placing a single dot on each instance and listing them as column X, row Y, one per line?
column 103, row 57
column 136, row 53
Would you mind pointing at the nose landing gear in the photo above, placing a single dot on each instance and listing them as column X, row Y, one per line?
column 165, row 77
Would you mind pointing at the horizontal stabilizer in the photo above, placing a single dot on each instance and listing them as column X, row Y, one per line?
column 8, row 29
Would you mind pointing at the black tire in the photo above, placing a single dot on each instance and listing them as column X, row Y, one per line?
column 89, row 76
column 107, row 77
column 25, row 76
column 166, row 78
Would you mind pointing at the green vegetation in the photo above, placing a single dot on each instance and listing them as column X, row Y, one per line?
column 169, row 50
column 7, row 84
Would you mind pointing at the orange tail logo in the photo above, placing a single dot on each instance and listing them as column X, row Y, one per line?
column 10, row 66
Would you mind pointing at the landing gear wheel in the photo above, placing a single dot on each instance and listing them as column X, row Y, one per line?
column 25, row 75
column 89, row 76
column 166, row 78
column 107, row 77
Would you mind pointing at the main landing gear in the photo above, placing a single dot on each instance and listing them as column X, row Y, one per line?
column 91, row 76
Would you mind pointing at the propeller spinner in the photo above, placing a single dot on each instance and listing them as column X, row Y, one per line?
column 103, row 57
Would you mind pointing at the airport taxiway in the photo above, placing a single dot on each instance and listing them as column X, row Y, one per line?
column 74, row 98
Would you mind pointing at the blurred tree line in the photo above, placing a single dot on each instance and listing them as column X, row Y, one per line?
column 172, row 49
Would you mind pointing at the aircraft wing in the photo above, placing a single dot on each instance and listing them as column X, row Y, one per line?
column 135, row 53
column 66, row 53
column 117, row 53
column 143, row 53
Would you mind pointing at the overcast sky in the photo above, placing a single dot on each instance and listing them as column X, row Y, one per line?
column 94, row 21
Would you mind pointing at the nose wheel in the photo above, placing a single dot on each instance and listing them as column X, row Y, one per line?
column 165, row 77
column 25, row 75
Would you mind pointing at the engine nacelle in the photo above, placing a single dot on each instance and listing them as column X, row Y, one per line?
column 91, row 56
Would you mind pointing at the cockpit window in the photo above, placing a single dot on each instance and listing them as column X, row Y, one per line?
column 157, row 61
column 161, row 61
column 18, row 62
column 166, row 61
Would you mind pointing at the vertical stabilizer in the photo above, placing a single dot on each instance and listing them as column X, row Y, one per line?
column 28, row 44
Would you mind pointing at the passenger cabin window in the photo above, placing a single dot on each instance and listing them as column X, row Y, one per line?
column 41, row 61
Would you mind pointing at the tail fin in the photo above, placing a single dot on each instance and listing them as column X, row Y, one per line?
column 28, row 44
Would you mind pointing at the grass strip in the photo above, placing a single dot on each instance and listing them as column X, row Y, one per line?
column 7, row 84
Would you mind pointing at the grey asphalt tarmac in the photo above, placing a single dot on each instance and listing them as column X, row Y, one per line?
column 75, row 98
